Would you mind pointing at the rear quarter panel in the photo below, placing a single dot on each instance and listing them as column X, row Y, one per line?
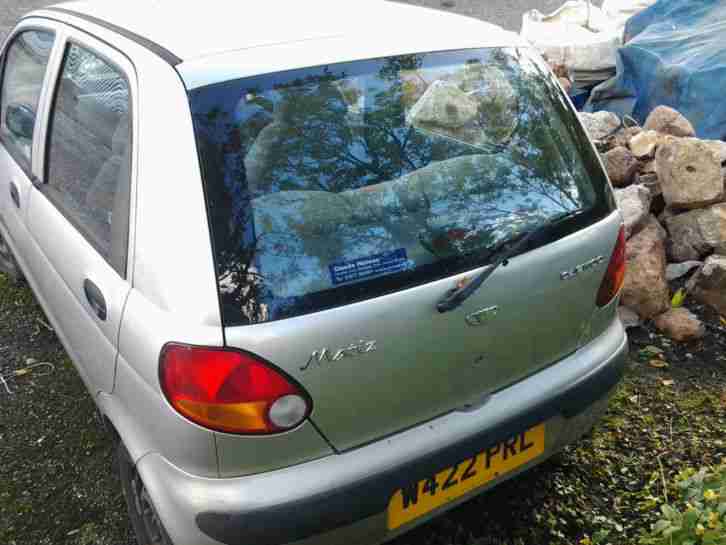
column 174, row 293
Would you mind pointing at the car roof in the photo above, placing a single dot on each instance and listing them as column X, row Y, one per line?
column 195, row 30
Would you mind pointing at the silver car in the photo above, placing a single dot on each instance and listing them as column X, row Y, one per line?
column 327, row 269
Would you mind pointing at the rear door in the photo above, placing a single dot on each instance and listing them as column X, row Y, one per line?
column 376, row 367
column 346, row 200
column 24, row 69
column 79, row 216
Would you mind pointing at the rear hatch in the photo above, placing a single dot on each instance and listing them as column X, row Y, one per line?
column 346, row 200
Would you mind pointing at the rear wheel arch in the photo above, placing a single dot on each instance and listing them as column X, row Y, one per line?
column 145, row 521
column 120, row 427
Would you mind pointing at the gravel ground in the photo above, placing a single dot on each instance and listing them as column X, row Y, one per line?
column 57, row 481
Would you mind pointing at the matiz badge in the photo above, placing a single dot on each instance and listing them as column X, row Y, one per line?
column 325, row 354
column 481, row 317
column 588, row 265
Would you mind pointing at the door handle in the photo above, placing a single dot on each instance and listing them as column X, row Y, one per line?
column 95, row 299
column 15, row 194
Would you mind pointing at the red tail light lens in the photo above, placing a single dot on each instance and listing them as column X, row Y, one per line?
column 615, row 275
column 230, row 391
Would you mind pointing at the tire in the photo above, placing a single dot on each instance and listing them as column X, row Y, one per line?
column 145, row 522
column 8, row 265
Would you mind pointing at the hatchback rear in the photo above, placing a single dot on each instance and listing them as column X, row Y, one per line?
column 363, row 279
column 346, row 200
column 346, row 203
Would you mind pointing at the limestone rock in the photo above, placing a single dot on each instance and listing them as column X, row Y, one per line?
column 649, row 167
column 600, row 124
column 644, row 143
column 443, row 105
column 680, row 324
column 497, row 109
column 645, row 289
column 718, row 147
column 650, row 181
column 697, row 233
column 621, row 166
column 690, row 173
column 664, row 216
column 709, row 284
column 623, row 137
column 629, row 317
column 668, row 121
column 413, row 87
column 634, row 204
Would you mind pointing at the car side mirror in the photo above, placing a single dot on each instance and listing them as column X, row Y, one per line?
column 20, row 120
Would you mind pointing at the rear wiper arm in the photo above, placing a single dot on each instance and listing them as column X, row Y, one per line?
column 513, row 246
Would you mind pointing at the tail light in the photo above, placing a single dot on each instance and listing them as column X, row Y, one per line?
column 615, row 274
column 230, row 391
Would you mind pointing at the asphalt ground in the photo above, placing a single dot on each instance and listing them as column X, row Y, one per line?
column 11, row 10
column 507, row 13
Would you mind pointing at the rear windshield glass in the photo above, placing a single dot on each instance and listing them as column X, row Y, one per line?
column 338, row 183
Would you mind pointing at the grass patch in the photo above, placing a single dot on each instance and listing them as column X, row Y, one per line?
column 56, row 479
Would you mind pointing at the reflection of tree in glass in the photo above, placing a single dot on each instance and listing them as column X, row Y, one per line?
column 327, row 168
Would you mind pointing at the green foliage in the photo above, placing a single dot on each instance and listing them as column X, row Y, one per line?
column 698, row 517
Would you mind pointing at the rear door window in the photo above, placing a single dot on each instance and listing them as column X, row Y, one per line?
column 89, row 151
column 25, row 63
column 333, row 184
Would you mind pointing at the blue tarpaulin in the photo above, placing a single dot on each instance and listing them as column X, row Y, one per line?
column 674, row 55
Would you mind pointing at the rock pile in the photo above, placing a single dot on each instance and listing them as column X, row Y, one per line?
column 671, row 189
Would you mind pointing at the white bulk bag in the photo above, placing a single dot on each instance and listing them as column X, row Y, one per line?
column 578, row 35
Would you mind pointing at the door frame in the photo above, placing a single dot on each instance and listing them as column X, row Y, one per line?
column 25, row 25
column 65, row 35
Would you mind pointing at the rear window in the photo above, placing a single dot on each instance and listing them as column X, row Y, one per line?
column 338, row 183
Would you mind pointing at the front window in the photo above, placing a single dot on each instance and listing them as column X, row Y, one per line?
column 26, row 61
column 337, row 183
column 89, row 152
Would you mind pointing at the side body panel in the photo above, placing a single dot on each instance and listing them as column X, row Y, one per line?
column 13, row 177
column 173, row 294
column 13, row 218
column 62, row 270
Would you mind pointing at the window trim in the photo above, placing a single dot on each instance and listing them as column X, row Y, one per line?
column 26, row 165
column 44, row 186
column 159, row 50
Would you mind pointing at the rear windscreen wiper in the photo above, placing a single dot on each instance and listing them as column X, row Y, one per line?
column 506, row 250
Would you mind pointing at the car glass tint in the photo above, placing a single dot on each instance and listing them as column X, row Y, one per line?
column 337, row 183
column 89, row 152
column 26, row 60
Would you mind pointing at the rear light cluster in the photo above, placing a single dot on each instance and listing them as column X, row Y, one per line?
column 230, row 391
column 615, row 275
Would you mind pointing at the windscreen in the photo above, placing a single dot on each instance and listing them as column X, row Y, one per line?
column 338, row 183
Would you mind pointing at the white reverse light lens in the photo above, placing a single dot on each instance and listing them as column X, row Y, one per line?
column 288, row 411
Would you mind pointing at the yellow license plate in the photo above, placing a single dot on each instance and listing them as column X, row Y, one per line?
column 420, row 498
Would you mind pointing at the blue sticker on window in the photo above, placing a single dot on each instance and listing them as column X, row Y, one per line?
column 368, row 267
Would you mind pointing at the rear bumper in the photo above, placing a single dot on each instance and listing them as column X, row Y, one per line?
column 343, row 498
